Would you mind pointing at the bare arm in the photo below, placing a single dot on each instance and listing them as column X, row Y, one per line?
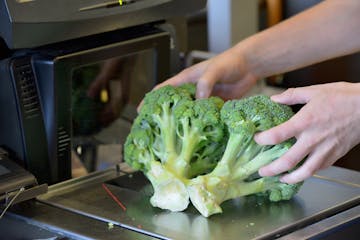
column 329, row 29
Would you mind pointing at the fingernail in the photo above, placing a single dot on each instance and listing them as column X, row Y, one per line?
column 262, row 172
column 275, row 97
column 258, row 139
column 283, row 179
column 201, row 94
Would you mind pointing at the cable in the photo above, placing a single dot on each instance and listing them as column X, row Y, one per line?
column 11, row 201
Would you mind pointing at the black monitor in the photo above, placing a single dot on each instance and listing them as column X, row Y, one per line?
column 48, row 113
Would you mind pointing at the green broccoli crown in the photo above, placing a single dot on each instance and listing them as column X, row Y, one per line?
column 235, row 119
column 235, row 174
column 258, row 111
column 204, row 149
column 161, row 101
column 187, row 89
column 201, row 133
column 137, row 150
column 178, row 125
column 175, row 137
column 201, row 114
column 277, row 191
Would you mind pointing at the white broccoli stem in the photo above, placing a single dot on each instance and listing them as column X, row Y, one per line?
column 259, row 161
column 250, row 152
column 206, row 194
column 166, row 124
column 169, row 192
column 234, row 146
column 190, row 140
column 239, row 188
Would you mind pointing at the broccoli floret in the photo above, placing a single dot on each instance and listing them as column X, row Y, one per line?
column 173, row 139
column 201, row 135
column 236, row 173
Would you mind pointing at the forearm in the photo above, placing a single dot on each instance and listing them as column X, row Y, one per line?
column 330, row 29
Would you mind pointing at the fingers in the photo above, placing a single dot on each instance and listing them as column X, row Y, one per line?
column 199, row 74
column 214, row 81
column 228, row 91
column 279, row 133
column 305, row 171
column 288, row 161
column 196, row 74
column 316, row 157
column 95, row 87
column 300, row 122
column 138, row 108
column 204, row 87
column 206, row 82
column 314, row 162
column 293, row 126
column 188, row 75
column 294, row 96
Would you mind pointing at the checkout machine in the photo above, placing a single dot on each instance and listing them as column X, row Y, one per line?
column 71, row 75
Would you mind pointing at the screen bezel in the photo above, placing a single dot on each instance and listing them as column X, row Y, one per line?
column 56, row 95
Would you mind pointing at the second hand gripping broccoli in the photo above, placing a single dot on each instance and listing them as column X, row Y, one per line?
column 236, row 173
column 173, row 139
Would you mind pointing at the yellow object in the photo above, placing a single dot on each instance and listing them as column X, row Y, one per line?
column 120, row 2
column 110, row 225
column 104, row 96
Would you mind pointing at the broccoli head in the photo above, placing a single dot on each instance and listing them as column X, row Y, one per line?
column 236, row 173
column 203, row 150
column 174, row 138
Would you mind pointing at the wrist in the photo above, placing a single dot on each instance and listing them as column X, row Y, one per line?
column 244, row 64
column 251, row 57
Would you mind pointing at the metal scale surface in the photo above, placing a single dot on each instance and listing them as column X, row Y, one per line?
column 321, row 197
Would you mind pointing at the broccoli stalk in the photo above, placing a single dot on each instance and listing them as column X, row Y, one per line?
column 235, row 174
column 201, row 133
column 167, row 146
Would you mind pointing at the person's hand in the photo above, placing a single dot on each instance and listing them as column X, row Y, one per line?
column 112, row 86
column 100, row 89
column 226, row 75
column 326, row 128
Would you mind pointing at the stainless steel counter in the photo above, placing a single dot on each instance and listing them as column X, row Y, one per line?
column 82, row 206
column 35, row 220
